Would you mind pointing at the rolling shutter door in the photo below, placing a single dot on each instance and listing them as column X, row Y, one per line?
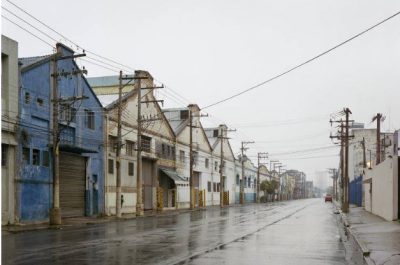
column 72, row 185
column 147, row 184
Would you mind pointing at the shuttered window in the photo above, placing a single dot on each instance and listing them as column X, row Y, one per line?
column 111, row 166
column 130, row 168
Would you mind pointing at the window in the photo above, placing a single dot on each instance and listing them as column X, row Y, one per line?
column 130, row 147
column 113, row 143
column 26, row 155
column 111, row 166
column 39, row 102
column 130, row 168
column 184, row 114
column 4, row 149
column 67, row 113
column 45, row 159
column 215, row 133
column 89, row 119
column 237, row 179
column 182, row 156
column 215, row 187
column 36, row 157
column 27, row 98
column 218, row 187
column 163, row 149
column 206, row 163
column 215, row 165
column 249, row 184
column 209, row 186
column 146, row 143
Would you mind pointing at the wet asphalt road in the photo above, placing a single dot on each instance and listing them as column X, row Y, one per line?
column 296, row 232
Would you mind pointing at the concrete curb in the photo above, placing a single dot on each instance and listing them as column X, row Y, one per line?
column 350, row 232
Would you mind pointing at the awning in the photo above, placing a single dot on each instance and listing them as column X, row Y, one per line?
column 174, row 176
column 75, row 149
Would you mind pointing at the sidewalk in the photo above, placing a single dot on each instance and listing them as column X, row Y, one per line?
column 378, row 239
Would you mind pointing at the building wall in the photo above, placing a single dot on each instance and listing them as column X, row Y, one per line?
column 382, row 198
column 9, row 111
column 34, row 181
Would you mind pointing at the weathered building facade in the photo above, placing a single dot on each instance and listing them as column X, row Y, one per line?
column 80, row 134
column 9, row 125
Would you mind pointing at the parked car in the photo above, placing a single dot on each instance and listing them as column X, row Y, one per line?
column 328, row 198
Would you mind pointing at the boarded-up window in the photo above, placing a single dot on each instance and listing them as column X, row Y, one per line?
column 111, row 166
column 130, row 168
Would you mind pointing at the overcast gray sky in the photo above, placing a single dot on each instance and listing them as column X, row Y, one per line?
column 208, row 50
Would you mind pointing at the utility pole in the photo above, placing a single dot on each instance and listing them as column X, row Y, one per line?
column 139, row 186
column 191, row 159
column 118, row 153
column 378, row 118
column 259, row 157
column 55, row 211
column 243, row 149
column 221, row 169
column 346, row 176
column 344, row 155
column 191, row 162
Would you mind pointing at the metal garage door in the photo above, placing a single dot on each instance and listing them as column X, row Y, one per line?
column 72, row 185
column 147, row 174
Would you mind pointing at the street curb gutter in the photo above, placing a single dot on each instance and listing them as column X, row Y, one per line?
column 350, row 233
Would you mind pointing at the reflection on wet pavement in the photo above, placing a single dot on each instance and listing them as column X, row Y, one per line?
column 301, row 232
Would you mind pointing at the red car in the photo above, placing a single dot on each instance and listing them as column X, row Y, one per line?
column 328, row 198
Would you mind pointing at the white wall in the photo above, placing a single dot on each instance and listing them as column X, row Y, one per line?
column 383, row 199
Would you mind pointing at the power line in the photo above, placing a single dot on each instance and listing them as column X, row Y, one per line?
column 303, row 63
column 16, row 24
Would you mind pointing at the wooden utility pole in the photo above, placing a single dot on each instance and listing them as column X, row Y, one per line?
column 259, row 157
column 119, row 145
column 221, row 168
column 191, row 159
column 378, row 118
column 139, row 185
column 346, row 175
column 55, row 212
column 243, row 149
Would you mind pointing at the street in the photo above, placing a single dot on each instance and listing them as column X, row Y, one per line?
column 295, row 232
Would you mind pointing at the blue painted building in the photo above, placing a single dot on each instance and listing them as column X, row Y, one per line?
column 81, row 140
